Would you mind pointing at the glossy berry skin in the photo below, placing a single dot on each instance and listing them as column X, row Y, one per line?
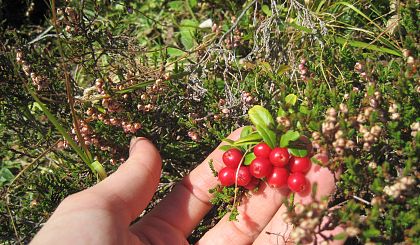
column 279, row 157
column 260, row 167
column 297, row 182
column 227, row 176
column 232, row 158
column 300, row 164
column 278, row 177
column 262, row 150
column 244, row 176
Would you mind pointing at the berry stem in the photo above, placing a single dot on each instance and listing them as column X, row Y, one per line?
column 236, row 177
column 291, row 202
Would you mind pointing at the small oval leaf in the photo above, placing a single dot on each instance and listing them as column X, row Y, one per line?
column 229, row 141
column 291, row 99
column 281, row 112
column 268, row 136
column 249, row 158
column 255, row 136
column 247, row 130
column 298, row 152
column 226, row 147
column 260, row 116
column 290, row 135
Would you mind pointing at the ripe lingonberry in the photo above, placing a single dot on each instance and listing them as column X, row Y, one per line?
column 262, row 150
column 278, row 177
column 297, row 182
column 260, row 167
column 227, row 176
column 232, row 158
column 279, row 157
column 244, row 176
column 300, row 164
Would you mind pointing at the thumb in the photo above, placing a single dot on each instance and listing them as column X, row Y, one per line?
column 132, row 186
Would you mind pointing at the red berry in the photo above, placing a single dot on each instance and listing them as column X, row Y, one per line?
column 279, row 157
column 260, row 167
column 252, row 184
column 278, row 178
column 262, row 150
column 232, row 158
column 227, row 176
column 297, row 182
column 300, row 164
column 244, row 176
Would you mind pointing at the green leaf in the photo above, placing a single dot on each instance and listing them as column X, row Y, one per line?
column 187, row 40
column 304, row 109
column 192, row 3
column 174, row 52
column 176, row 5
column 340, row 236
column 314, row 126
column 229, row 141
column 247, row 130
column 268, row 136
column 187, row 29
column 266, row 10
column 226, row 147
column 61, row 129
column 358, row 44
column 281, row 112
column 291, row 99
column 35, row 107
column 283, row 69
column 260, row 116
column 298, row 152
column 5, row 176
column 249, row 158
column 300, row 28
column 83, row 155
column 255, row 136
column 371, row 232
column 99, row 169
column 290, row 135
column 244, row 145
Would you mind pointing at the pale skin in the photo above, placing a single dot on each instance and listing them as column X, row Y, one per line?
column 102, row 214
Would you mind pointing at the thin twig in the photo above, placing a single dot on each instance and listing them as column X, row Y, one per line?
column 236, row 22
column 361, row 200
column 68, row 85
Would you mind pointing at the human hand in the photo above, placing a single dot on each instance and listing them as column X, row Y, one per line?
column 102, row 214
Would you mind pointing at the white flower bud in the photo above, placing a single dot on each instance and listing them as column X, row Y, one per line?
column 395, row 116
column 343, row 108
column 376, row 130
column 373, row 165
column 332, row 112
column 339, row 134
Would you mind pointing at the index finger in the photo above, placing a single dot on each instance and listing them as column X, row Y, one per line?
column 190, row 200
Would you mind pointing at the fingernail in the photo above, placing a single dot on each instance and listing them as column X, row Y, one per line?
column 134, row 141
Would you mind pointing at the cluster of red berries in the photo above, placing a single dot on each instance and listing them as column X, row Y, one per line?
column 276, row 166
